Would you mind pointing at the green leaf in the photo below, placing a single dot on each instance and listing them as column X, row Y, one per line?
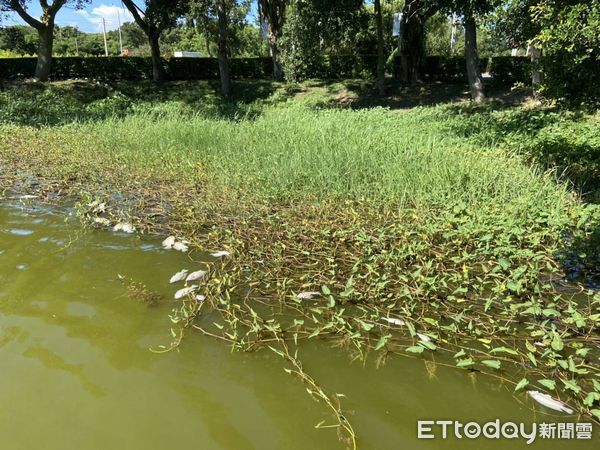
column 325, row 290
column 548, row 384
column 572, row 385
column 415, row 349
column 504, row 350
column 591, row 398
column 428, row 345
column 595, row 412
column 557, row 343
column 366, row 326
column 382, row 341
column 331, row 302
column 531, row 357
column 464, row 362
column 493, row 363
column 521, row 384
column 460, row 353
column 504, row 263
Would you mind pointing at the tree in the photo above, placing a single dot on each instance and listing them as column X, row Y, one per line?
column 514, row 25
column 470, row 10
column 15, row 39
column 273, row 13
column 570, row 36
column 380, row 48
column 153, row 19
column 319, row 30
column 412, row 36
column 44, row 27
column 222, row 14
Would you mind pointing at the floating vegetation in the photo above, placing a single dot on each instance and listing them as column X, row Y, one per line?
column 142, row 294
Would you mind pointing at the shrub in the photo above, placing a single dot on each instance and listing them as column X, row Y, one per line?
column 510, row 69
column 114, row 68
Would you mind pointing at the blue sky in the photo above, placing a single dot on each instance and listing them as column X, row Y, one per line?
column 88, row 19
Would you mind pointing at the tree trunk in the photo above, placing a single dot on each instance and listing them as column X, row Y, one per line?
column 537, row 77
column 44, row 60
column 380, row 49
column 158, row 71
column 472, row 59
column 275, row 55
column 223, row 58
column 412, row 41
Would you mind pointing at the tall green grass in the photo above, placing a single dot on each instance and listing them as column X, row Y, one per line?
column 297, row 152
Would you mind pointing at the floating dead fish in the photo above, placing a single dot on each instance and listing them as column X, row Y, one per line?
column 196, row 275
column 423, row 337
column 179, row 276
column 220, row 254
column 309, row 295
column 549, row 402
column 28, row 197
column 168, row 243
column 185, row 291
column 102, row 221
column 124, row 227
column 394, row 321
column 180, row 247
column 200, row 297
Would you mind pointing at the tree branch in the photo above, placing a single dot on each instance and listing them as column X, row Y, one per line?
column 18, row 8
column 135, row 12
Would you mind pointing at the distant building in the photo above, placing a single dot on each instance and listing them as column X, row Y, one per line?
column 187, row 55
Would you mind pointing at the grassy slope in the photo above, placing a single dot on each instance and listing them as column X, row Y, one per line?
column 428, row 213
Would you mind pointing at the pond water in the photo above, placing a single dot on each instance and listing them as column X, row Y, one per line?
column 77, row 372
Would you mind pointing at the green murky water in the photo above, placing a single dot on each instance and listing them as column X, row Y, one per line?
column 76, row 370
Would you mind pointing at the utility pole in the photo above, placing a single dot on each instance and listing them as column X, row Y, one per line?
column 120, row 37
column 104, row 32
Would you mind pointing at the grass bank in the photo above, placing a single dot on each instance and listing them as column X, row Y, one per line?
column 442, row 218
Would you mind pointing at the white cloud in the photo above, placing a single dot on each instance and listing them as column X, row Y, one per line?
column 110, row 13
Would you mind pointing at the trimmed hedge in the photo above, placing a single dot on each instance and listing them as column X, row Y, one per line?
column 504, row 69
column 136, row 68
column 510, row 69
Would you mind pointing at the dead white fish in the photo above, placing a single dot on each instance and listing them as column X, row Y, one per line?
column 393, row 321
column 549, row 402
column 168, row 243
column 220, row 254
column 309, row 295
column 28, row 197
column 180, row 247
column 423, row 337
column 179, row 276
column 124, row 227
column 200, row 298
column 102, row 221
column 185, row 291
column 196, row 275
